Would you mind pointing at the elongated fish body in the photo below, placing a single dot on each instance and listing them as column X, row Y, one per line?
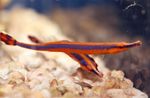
column 74, row 47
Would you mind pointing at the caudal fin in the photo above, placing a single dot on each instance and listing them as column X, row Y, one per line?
column 7, row 39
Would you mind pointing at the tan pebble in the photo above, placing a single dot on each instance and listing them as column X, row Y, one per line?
column 22, row 88
column 4, row 73
column 16, row 78
column 71, row 86
column 70, row 95
column 47, row 67
column 98, row 90
column 32, row 83
column 55, row 92
column 40, row 74
column 126, row 84
column 117, row 74
column 43, row 85
column 46, row 93
column 57, row 88
column 36, row 95
column 110, row 83
column 104, row 95
column 53, row 83
column 5, row 89
column 87, row 92
column 116, row 79
column 63, row 89
column 117, row 93
column 130, row 92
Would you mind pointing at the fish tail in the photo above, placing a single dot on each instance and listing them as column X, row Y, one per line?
column 7, row 39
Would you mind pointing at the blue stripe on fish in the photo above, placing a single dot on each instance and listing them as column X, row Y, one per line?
column 79, row 58
column 61, row 46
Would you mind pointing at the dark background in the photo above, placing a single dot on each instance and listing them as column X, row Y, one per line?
column 135, row 19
